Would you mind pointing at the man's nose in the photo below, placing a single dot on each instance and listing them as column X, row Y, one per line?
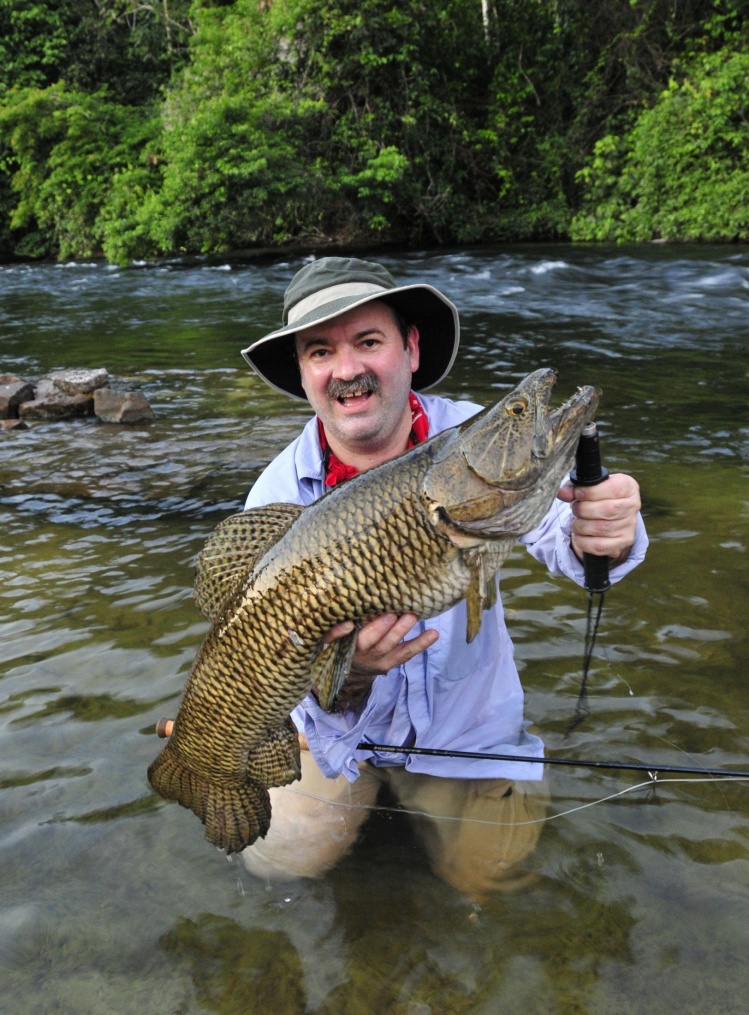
column 347, row 364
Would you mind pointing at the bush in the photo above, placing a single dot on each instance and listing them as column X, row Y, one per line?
column 682, row 171
column 66, row 148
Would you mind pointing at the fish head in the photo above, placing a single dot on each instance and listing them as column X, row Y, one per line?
column 499, row 475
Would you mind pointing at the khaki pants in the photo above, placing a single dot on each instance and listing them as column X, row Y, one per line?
column 476, row 832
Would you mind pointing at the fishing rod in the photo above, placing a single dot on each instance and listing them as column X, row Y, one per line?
column 651, row 768
column 589, row 471
column 164, row 728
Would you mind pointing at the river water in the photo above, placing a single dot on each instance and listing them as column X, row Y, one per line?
column 112, row 901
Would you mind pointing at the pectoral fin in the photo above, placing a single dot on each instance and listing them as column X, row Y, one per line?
column 332, row 667
column 482, row 592
column 474, row 604
column 233, row 549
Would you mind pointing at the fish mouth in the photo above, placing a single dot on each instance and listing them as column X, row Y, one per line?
column 553, row 429
column 551, row 434
column 565, row 422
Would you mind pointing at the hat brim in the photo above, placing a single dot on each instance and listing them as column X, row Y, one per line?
column 273, row 357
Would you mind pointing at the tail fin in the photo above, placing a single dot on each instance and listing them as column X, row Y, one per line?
column 233, row 815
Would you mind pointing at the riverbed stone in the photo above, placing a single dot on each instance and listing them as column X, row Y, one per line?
column 46, row 388
column 56, row 406
column 68, row 394
column 13, row 424
column 122, row 406
column 12, row 394
column 75, row 381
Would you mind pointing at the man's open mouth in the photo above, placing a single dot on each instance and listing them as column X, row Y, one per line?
column 353, row 392
column 354, row 399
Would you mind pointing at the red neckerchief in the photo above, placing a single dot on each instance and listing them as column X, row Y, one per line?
column 336, row 471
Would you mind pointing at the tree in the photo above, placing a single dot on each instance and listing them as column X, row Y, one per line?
column 77, row 72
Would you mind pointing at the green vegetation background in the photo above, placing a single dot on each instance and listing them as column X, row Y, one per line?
column 137, row 128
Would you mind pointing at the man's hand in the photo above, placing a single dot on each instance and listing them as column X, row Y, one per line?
column 605, row 516
column 379, row 647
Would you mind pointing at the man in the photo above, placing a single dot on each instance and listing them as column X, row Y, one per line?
column 359, row 347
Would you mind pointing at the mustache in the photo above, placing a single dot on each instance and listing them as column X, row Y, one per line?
column 362, row 384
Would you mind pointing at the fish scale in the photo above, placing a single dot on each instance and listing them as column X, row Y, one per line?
column 275, row 580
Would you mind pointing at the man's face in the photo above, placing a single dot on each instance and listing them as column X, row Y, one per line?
column 356, row 374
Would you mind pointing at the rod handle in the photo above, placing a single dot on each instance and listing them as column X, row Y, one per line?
column 588, row 471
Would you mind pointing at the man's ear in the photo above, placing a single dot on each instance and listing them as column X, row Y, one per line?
column 412, row 345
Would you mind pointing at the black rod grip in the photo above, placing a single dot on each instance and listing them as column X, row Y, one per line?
column 588, row 471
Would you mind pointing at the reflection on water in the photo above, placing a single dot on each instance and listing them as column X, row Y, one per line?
column 111, row 899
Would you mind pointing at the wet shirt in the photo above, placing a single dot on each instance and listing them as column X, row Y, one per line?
column 454, row 696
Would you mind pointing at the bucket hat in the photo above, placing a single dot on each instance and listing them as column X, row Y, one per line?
column 327, row 287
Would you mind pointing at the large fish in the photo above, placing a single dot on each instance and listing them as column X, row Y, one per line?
column 417, row 534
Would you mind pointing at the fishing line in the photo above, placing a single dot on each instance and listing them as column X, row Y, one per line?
column 653, row 781
column 582, row 709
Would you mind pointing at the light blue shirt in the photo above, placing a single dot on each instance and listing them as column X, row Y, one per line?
column 454, row 696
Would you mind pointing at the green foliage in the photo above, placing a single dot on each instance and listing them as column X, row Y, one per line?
column 682, row 171
column 131, row 46
column 79, row 79
column 33, row 42
column 66, row 146
column 235, row 148
column 140, row 127
column 360, row 120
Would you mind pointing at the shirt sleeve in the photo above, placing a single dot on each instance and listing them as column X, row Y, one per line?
column 294, row 477
column 278, row 483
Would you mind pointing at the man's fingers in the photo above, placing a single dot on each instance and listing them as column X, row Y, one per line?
column 408, row 649
column 617, row 488
column 383, row 633
column 379, row 643
column 606, row 510
column 605, row 515
column 602, row 537
column 339, row 631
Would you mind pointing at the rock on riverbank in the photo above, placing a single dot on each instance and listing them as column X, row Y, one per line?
column 69, row 394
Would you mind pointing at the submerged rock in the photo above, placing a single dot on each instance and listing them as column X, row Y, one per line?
column 121, row 406
column 13, row 391
column 56, row 406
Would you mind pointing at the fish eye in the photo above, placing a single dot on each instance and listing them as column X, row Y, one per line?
column 518, row 407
